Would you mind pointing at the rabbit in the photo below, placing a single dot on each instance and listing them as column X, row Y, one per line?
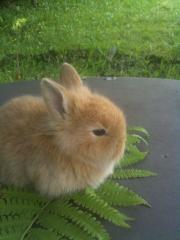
column 62, row 142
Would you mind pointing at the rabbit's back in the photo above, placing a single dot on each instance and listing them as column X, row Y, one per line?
column 17, row 118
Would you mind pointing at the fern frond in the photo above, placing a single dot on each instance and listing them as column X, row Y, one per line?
column 12, row 231
column 117, row 195
column 10, row 234
column 61, row 226
column 11, row 192
column 132, row 156
column 42, row 234
column 139, row 130
column 18, row 206
column 134, row 139
column 121, row 173
column 97, row 205
column 13, row 221
column 15, row 229
column 82, row 218
column 34, row 219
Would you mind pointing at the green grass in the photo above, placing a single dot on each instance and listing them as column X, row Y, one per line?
column 106, row 37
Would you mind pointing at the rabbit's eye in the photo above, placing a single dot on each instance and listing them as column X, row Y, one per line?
column 99, row 132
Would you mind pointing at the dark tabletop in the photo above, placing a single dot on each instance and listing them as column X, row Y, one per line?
column 155, row 105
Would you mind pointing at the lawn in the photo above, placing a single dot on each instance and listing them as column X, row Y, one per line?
column 105, row 37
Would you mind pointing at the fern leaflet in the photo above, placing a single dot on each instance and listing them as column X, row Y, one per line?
column 121, row 173
column 134, row 139
column 117, row 195
column 97, row 205
column 132, row 156
column 39, row 234
column 139, row 130
column 81, row 218
column 61, row 226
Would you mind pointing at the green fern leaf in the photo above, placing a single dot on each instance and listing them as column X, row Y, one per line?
column 42, row 234
column 17, row 206
column 13, row 221
column 132, row 156
column 61, row 226
column 120, row 173
column 15, row 229
column 117, row 195
column 9, row 235
column 85, row 220
column 21, row 193
column 134, row 139
column 94, row 203
column 139, row 130
column 34, row 219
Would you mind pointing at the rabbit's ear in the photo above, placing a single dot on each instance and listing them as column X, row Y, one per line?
column 55, row 97
column 69, row 77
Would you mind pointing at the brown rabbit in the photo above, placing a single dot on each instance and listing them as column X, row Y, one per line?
column 65, row 141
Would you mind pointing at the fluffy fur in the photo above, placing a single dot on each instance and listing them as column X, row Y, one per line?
column 49, row 142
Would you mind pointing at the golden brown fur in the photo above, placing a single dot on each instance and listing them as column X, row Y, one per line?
column 49, row 142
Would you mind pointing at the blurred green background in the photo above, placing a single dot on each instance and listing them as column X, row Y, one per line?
column 99, row 37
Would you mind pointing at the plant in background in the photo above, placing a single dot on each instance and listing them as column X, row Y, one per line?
column 27, row 215
column 107, row 38
column 17, row 28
